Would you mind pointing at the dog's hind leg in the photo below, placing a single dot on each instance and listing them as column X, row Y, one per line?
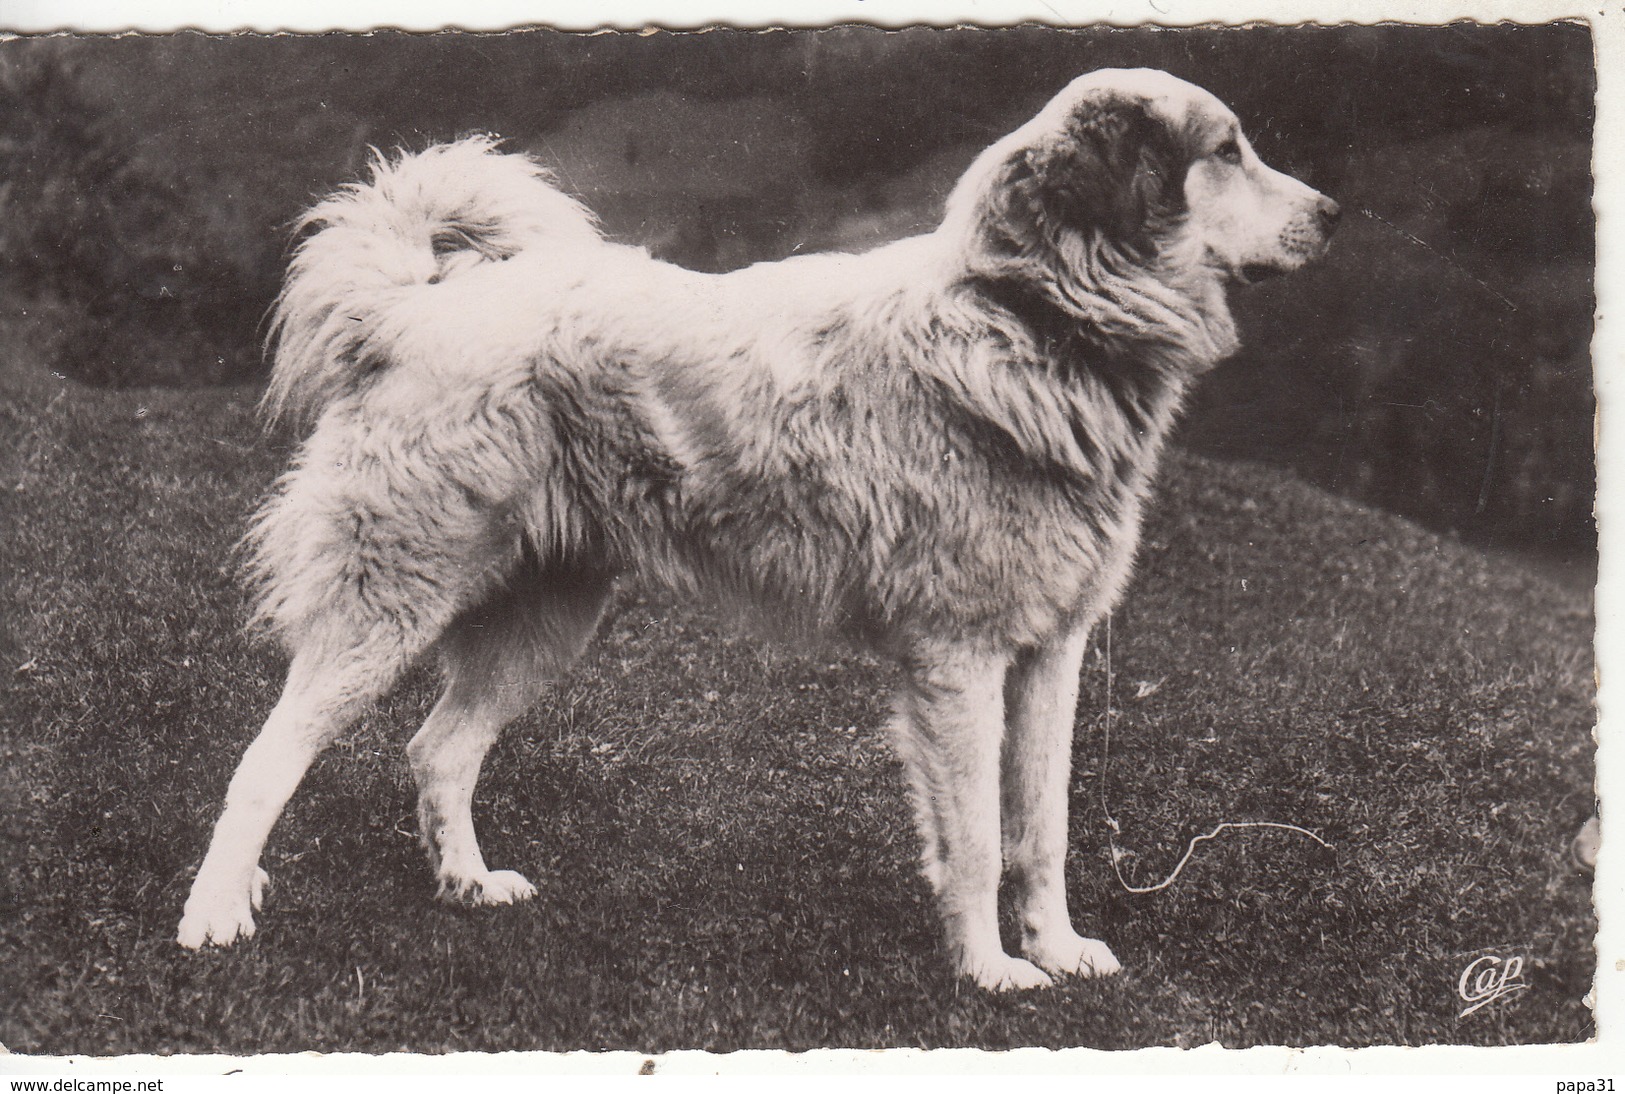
column 328, row 686
column 497, row 658
column 949, row 725
column 1041, row 699
column 366, row 563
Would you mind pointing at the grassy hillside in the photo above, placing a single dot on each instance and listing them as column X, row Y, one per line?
column 718, row 831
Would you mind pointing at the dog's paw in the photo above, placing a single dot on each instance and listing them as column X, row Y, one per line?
column 1073, row 955
column 219, row 918
column 491, row 887
column 1005, row 973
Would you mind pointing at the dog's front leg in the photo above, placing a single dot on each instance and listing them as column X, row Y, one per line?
column 1041, row 698
column 949, row 726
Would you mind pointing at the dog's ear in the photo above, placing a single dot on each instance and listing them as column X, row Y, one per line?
column 1110, row 166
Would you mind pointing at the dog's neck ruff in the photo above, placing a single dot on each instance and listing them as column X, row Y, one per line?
column 1166, row 313
column 1110, row 343
column 1154, row 299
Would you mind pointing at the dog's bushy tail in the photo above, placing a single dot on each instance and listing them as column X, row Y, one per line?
column 419, row 219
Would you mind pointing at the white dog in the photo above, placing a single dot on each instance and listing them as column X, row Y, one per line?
column 938, row 449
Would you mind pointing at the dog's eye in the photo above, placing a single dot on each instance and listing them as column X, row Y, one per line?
column 1229, row 151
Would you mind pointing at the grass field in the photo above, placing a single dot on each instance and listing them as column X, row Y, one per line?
column 717, row 828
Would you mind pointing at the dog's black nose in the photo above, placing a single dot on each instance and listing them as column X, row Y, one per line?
column 1330, row 213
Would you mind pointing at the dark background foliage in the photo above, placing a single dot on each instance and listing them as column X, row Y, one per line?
column 1438, row 364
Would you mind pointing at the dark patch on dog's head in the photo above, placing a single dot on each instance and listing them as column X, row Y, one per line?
column 1115, row 166
column 1112, row 166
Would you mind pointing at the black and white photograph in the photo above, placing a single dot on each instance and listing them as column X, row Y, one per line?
column 806, row 537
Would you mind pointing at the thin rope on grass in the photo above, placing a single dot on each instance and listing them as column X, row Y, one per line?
column 1116, row 829
column 1117, row 852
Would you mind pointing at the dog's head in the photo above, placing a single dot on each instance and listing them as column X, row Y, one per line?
column 1148, row 167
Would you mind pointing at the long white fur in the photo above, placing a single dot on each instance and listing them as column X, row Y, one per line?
column 939, row 448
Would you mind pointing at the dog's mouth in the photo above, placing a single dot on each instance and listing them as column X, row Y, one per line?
column 1252, row 273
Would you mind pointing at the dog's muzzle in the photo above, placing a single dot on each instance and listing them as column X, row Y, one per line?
column 1305, row 241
